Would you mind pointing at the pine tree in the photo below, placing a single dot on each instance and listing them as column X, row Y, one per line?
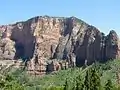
column 108, row 85
column 74, row 84
column 79, row 84
column 87, row 80
column 66, row 86
column 92, row 80
column 95, row 80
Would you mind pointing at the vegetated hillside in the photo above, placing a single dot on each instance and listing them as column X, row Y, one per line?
column 23, row 81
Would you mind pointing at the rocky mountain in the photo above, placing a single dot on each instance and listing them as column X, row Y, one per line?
column 50, row 43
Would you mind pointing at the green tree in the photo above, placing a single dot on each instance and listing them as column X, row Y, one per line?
column 66, row 85
column 87, row 80
column 9, row 78
column 79, row 84
column 13, row 86
column 92, row 80
column 2, row 83
column 108, row 85
column 95, row 80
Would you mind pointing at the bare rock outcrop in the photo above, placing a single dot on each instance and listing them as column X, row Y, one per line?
column 43, row 38
column 7, row 47
column 112, row 46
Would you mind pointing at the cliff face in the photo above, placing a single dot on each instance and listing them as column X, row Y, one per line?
column 42, row 38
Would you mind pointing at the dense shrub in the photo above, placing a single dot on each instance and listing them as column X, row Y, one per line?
column 108, row 85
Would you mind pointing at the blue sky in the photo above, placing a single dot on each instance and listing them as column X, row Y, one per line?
column 104, row 14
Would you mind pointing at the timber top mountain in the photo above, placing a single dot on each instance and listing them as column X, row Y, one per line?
column 47, row 42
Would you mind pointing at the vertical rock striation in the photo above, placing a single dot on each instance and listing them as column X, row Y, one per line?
column 42, row 38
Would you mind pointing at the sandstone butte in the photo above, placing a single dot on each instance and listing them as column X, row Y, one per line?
column 52, row 43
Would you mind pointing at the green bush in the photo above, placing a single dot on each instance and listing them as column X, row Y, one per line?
column 109, row 85
column 13, row 86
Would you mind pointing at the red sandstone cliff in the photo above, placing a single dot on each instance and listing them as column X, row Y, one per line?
column 41, row 39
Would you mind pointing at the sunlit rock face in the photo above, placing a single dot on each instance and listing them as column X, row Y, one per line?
column 44, row 38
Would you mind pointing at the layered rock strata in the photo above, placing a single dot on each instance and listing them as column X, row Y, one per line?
column 44, row 38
